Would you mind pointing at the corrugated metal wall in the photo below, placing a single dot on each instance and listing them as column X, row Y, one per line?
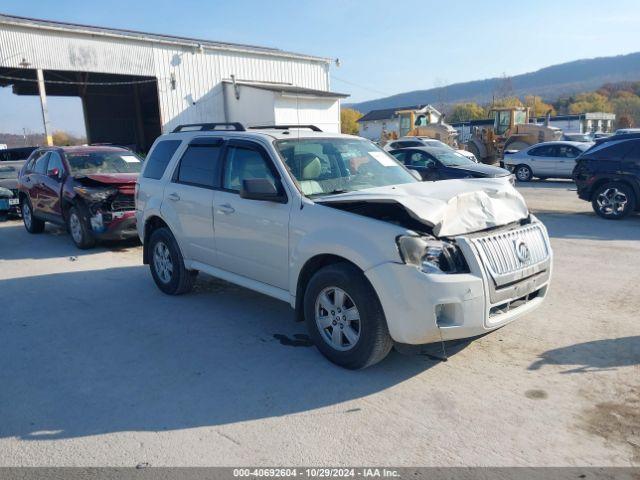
column 53, row 50
column 198, row 96
column 189, row 80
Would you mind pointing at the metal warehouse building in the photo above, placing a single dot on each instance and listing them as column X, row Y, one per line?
column 134, row 85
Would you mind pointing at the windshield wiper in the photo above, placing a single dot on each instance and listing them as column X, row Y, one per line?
column 332, row 192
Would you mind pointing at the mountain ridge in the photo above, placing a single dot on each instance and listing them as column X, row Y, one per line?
column 550, row 83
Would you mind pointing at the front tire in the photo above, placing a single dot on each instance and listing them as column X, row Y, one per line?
column 167, row 264
column 344, row 317
column 79, row 229
column 613, row 201
column 523, row 173
column 31, row 223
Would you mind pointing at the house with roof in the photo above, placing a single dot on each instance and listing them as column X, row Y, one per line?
column 386, row 123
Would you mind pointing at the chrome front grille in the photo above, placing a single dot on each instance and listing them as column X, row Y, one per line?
column 514, row 250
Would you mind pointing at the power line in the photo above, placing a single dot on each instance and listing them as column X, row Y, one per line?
column 361, row 86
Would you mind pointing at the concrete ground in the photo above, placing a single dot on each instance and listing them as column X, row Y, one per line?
column 100, row 368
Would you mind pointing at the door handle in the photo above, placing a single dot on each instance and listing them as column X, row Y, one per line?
column 173, row 196
column 226, row 209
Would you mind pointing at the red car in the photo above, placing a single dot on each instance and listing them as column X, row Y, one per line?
column 88, row 189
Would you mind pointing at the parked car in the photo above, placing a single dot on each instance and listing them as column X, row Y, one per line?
column 5, row 196
column 544, row 160
column 436, row 163
column 577, row 137
column 406, row 142
column 614, row 138
column 345, row 234
column 9, row 181
column 598, row 135
column 88, row 189
column 15, row 154
column 626, row 131
column 608, row 176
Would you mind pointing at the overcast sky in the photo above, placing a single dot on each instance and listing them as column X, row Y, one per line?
column 384, row 47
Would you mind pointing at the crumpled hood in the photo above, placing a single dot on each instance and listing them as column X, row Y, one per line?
column 449, row 207
column 112, row 178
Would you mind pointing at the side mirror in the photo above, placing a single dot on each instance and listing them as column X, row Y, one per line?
column 416, row 174
column 263, row 189
column 53, row 173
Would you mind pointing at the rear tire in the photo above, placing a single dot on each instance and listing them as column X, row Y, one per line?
column 167, row 264
column 31, row 223
column 613, row 200
column 344, row 317
column 523, row 173
column 79, row 229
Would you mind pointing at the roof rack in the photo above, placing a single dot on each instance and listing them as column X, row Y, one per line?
column 203, row 127
column 284, row 127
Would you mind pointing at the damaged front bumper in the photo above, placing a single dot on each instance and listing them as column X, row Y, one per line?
column 424, row 308
column 113, row 225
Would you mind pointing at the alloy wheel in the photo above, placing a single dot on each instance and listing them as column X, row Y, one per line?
column 162, row 262
column 522, row 174
column 26, row 215
column 75, row 228
column 337, row 318
column 612, row 201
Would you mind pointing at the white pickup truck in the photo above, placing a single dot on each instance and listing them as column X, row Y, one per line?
column 333, row 225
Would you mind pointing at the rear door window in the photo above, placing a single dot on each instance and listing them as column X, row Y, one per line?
column 543, row 151
column 159, row 158
column 200, row 164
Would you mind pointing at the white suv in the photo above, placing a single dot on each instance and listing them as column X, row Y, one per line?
column 333, row 225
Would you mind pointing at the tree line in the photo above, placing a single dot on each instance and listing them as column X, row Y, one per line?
column 621, row 98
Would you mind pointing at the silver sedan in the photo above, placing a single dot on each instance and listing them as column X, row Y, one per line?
column 545, row 160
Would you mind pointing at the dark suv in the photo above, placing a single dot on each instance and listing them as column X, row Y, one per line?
column 16, row 154
column 608, row 176
column 88, row 189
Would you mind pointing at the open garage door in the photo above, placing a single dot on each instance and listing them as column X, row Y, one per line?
column 118, row 109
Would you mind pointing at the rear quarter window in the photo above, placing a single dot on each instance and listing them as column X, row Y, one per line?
column 159, row 158
column 613, row 151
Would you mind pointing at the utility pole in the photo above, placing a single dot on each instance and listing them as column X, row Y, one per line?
column 45, row 110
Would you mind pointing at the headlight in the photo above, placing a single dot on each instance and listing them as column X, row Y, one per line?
column 95, row 194
column 5, row 193
column 430, row 256
column 512, row 180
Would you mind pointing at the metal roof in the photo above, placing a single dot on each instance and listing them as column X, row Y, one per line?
column 287, row 88
column 149, row 37
column 387, row 113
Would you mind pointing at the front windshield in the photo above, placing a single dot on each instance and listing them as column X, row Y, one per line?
column 451, row 158
column 325, row 166
column 88, row 163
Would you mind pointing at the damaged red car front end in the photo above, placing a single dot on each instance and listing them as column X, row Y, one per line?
column 110, row 204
